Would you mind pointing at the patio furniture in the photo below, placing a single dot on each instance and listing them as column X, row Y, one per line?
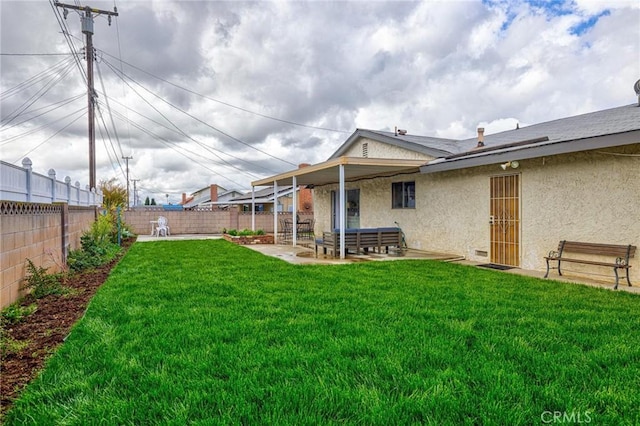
column 622, row 253
column 285, row 231
column 162, row 227
column 305, row 228
column 360, row 239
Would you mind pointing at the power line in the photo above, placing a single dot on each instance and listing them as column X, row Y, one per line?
column 226, row 103
column 194, row 117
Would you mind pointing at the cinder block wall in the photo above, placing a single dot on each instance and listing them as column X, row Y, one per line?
column 202, row 221
column 34, row 231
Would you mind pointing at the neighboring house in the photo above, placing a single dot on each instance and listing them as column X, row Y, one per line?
column 505, row 198
column 212, row 196
column 263, row 200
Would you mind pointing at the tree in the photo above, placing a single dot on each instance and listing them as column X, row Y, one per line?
column 114, row 194
column 146, row 201
column 153, row 201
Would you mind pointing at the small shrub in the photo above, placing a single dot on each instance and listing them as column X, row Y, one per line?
column 232, row 232
column 96, row 247
column 9, row 345
column 259, row 232
column 15, row 313
column 40, row 282
column 245, row 232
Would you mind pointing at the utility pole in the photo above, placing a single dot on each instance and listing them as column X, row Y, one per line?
column 87, row 29
column 135, row 192
column 126, row 159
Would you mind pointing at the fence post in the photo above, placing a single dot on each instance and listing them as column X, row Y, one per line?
column 67, row 180
column 78, row 193
column 26, row 163
column 64, row 226
column 52, row 176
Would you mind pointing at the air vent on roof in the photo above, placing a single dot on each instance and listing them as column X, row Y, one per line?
column 400, row 132
column 636, row 87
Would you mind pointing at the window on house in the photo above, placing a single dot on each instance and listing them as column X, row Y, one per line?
column 365, row 149
column 403, row 195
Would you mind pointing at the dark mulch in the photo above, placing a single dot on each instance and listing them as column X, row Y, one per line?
column 46, row 329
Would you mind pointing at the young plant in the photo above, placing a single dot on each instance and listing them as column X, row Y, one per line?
column 40, row 282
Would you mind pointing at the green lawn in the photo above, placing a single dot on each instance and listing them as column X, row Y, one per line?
column 205, row 332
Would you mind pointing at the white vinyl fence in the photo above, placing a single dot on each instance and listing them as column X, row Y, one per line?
column 22, row 184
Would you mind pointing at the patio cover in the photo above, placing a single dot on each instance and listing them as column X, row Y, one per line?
column 338, row 170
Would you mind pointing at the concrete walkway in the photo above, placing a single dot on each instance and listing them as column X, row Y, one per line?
column 303, row 255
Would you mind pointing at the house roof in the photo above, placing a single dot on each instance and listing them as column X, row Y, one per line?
column 355, row 168
column 595, row 130
column 434, row 147
column 601, row 129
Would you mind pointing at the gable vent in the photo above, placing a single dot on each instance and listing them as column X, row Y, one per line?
column 365, row 150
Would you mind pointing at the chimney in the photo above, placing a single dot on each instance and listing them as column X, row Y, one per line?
column 480, row 137
column 305, row 196
column 184, row 199
column 214, row 192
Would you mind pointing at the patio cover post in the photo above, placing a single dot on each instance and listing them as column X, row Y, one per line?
column 275, row 211
column 253, row 208
column 342, row 211
column 294, row 215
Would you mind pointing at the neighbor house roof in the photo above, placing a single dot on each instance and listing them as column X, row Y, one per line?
column 264, row 195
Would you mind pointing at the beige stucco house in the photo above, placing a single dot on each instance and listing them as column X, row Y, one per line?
column 506, row 198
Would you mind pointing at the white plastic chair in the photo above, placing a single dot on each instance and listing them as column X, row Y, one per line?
column 162, row 227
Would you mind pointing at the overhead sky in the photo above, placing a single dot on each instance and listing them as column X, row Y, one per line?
column 204, row 92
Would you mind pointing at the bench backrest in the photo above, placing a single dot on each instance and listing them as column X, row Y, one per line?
column 614, row 250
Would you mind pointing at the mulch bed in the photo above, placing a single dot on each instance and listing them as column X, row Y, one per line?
column 46, row 329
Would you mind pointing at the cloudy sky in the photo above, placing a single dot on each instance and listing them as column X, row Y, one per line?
column 202, row 92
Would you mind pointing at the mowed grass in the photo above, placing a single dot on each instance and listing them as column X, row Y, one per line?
column 205, row 332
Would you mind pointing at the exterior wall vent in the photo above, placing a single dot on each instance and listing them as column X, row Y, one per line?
column 365, row 150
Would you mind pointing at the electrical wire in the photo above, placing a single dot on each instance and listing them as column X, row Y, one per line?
column 84, row 112
column 226, row 103
column 204, row 146
column 55, row 105
column 39, row 94
column 8, row 140
column 192, row 116
column 106, row 98
column 34, row 79
column 172, row 123
column 170, row 145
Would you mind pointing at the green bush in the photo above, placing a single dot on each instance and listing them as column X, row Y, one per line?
column 15, row 313
column 40, row 282
column 245, row 232
column 97, row 246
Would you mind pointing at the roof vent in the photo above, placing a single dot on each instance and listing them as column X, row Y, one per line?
column 400, row 131
column 636, row 87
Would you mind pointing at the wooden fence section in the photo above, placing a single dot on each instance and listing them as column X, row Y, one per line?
column 42, row 233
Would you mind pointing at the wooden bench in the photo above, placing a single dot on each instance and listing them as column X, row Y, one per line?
column 622, row 253
column 357, row 239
